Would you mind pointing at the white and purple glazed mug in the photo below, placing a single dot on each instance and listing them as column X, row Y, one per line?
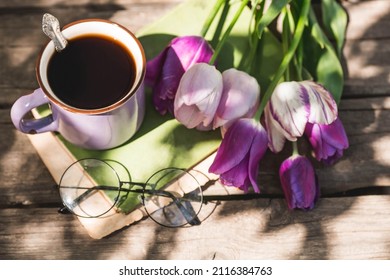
column 92, row 125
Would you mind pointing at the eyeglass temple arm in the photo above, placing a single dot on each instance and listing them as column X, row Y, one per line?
column 84, row 195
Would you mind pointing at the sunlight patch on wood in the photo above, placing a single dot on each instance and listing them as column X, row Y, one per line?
column 351, row 238
column 381, row 150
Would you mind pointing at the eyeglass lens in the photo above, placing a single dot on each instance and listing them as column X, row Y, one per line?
column 184, row 204
column 80, row 188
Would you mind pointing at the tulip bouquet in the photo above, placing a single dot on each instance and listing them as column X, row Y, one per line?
column 300, row 100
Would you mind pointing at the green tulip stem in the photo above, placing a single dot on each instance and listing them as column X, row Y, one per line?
column 211, row 17
column 254, row 39
column 227, row 32
column 295, row 151
column 303, row 16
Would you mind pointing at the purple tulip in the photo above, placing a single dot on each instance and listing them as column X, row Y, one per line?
column 238, row 157
column 163, row 73
column 299, row 182
column 328, row 141
column 293, row 105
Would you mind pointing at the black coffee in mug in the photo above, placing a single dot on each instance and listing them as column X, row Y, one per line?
column 92, row 72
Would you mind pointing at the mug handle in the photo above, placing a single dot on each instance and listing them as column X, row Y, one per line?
column 24, row 105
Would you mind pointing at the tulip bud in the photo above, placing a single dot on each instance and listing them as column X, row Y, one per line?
column 299, row 182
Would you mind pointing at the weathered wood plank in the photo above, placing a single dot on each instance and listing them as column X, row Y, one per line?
column 24, row 178
column 368, row 19
column 368, row 68
column 15, row 20
column 339, row 228
column 60, row 3
column 366, row 162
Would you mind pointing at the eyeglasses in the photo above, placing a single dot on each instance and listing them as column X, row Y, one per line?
column 91, row 188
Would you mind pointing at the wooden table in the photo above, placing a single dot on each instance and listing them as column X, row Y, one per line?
column 351, row 225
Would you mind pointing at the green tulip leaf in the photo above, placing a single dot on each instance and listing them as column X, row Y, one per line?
column 271, row 13
column 321, row 60
column 335, row 20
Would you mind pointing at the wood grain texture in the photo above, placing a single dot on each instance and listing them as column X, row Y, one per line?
column 344, row 227
column 339, row 228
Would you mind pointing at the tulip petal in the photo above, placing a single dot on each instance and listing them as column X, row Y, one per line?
column 165, row 89
column 237, row 176
column 171, row 73
column 234, row 147
column 328, row 141
column 154, row 67
column 198, row 95
column 238, row 157
column 257, row 151
column 240, row 97
column 334, row 134
column 276, row 137
column 190, row 116
column 323, row 108
column 200, row 81
column 289, row 106
column 191, row 50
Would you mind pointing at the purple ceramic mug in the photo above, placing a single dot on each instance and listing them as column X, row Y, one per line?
column 97, row 128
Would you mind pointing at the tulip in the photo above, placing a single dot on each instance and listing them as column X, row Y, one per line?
column 163, row 73
column 299, row 182
column 240, row 98
column 198, row 96
column 328, row 141
column 293, row 105
column 237, row 159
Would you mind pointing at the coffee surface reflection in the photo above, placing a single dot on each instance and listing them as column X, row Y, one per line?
column 93, row 71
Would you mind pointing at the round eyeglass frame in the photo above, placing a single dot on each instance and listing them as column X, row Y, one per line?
column 183, row 202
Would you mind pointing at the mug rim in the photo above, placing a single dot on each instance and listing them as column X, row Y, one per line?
column 105, row 109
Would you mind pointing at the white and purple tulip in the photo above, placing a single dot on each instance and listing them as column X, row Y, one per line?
column 293, row 105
